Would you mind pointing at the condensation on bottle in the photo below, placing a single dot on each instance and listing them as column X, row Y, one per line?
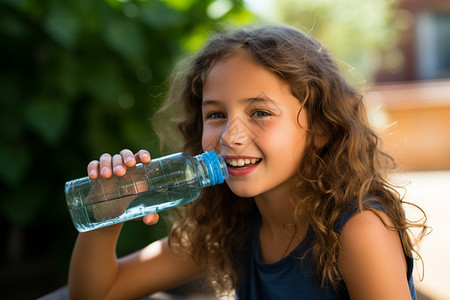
column 161, row 184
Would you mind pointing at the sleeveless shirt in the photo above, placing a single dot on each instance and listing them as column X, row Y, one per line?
column 291, row 277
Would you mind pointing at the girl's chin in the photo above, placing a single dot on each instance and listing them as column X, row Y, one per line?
column 242, row 191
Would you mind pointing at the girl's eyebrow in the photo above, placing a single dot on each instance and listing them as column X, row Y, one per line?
column 262, row 97
column 259, row 99
column 210, row 102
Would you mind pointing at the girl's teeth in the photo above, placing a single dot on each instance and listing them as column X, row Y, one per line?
column 240, row 162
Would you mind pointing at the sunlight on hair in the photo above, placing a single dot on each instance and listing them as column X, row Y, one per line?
column 353, row 75
column 375, row 113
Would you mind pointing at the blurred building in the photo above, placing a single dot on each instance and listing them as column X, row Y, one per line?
column 410, row 101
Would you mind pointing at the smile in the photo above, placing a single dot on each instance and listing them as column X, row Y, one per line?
column 242, row 162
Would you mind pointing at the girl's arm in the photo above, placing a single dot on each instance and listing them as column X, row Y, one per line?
column 372, row 262
column 96, row 273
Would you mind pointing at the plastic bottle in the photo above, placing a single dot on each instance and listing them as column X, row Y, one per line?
column 164, row 183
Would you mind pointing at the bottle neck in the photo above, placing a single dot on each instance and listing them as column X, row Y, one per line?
column 211, row 171
column 203, row 174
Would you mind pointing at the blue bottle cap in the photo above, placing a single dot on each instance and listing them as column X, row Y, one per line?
column 214, row 167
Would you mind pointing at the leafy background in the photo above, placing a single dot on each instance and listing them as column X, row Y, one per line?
column 79, row 78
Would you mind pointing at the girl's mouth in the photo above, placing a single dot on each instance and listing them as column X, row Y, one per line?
column 242, row 163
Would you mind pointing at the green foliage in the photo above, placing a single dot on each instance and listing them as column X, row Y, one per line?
column 80, row 78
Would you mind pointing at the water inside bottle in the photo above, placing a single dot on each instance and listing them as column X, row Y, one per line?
column 113, row 211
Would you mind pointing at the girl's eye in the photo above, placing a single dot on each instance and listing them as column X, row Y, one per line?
column 215, row 115
column 260, row 114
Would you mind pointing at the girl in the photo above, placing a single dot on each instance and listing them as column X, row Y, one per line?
column 306, row 213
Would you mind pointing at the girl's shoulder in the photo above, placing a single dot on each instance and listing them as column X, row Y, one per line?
column 369, row 226
column 368, row 242
column 352, row 210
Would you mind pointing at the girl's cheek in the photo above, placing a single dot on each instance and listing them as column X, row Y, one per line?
column 264, row 128
column 210, row 141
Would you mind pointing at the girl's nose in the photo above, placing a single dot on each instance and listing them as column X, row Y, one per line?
column 235, row 134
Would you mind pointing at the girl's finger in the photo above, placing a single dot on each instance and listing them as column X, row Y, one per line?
column 143, row 156
column 92, row 169
column 128, row 157
column 151, row 219
column 105, row 165
column 119, row 168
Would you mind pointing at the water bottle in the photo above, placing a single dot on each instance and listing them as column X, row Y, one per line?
column 163, row 183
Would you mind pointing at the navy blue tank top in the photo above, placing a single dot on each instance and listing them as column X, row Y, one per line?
column 291, row 278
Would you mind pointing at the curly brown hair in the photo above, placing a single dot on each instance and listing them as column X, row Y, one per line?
column 343, row 166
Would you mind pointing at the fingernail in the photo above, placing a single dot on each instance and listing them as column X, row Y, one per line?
column 91, row 173
column 118, row 167
column 129, row 158
column 104, row 171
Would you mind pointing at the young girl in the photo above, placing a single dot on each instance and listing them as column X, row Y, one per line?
column 306, row 213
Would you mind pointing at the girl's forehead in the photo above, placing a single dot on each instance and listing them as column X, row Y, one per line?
column 236, row 67
column 240, row 55
column 243, row 73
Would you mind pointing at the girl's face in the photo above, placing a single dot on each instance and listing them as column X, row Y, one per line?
column 252, row 119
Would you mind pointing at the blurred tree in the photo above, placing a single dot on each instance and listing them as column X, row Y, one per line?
column 79, row 78
column 355, row 31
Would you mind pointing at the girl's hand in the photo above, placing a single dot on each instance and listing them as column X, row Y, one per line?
column 107, row 165
column 117, row 165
